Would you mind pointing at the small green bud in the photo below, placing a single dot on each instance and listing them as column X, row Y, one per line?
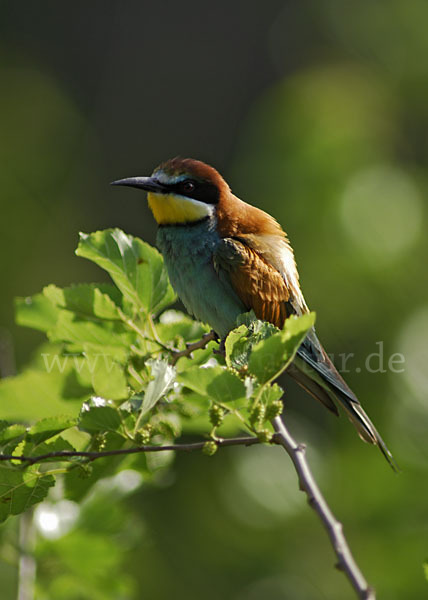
column 85, row 470
column 143, row 435
column 98, row 442
column 210, row 448
column 274, row 409
column 258, row 415
column 216, row 415
column 265, row 436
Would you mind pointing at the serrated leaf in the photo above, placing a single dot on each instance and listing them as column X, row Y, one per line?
column 9, row 433
column 238, row 347
column 136, row 268
column 37, row 312
column 85, row 300
column 95, row 419
column 11, row 437
column 49, row 427
column 271, row 393
column 214, row 382
column 163, row 375
column 21, row 489
column 240, row 341
column 271, row 356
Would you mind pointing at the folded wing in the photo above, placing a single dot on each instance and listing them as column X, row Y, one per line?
column 263, row 288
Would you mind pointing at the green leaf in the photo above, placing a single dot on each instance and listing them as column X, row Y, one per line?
column 240, row 341
column 246, row 318
column 272, row 355
column 109, row 379
column 21, row 489
column 271, row 393
column 11, row 436
column 136, row 268
column 72, row 328
column 214, row 382
column 59, row 444
column 425, row 567
column 9, row 433
column 163, row 376
column 85, row 300
column 174, row 323
column 81, row 369
column 49, row 427
column 238, row 347
column 76, row 483
column 95, row 419
column 36, row 394
column 37, row 312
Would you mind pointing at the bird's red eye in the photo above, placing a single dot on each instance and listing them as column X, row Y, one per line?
column 188, row 186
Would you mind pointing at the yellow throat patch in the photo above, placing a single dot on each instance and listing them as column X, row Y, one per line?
column 169, row 209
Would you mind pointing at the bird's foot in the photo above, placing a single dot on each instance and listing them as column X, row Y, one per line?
column 221, row 348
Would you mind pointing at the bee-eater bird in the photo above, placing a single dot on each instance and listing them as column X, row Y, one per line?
column 225, row 257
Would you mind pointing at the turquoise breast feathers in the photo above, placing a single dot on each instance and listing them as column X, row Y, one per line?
column 188, row 253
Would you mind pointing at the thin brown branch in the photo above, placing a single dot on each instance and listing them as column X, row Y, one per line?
column 200, row 344
column 307, row 483
column 345, row 560
column 65, row 454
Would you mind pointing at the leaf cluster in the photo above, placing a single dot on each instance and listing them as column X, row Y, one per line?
column 106, row 378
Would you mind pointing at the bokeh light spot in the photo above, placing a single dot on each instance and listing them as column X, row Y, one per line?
column 55, row 520
column 413, row 344
column 382, row 212
column 48, row 521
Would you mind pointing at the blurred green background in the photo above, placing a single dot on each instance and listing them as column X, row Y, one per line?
column 314, row 111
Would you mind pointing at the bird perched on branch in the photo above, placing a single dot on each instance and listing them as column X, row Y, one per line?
column 225, row 257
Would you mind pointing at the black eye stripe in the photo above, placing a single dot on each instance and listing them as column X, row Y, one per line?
column 202, row 190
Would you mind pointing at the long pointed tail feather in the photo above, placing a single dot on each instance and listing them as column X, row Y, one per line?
column 314, row 364
column 366, row 430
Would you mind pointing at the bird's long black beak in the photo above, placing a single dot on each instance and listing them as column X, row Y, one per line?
column 150, row 184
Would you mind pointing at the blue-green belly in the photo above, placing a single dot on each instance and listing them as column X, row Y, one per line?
column 188, row 254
